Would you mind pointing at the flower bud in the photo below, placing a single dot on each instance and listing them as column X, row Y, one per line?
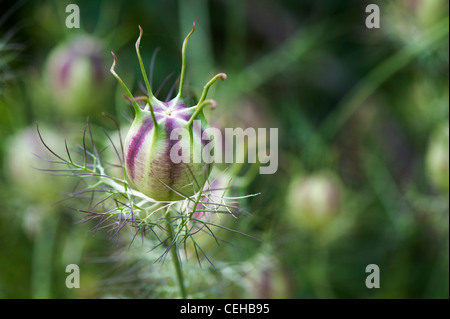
column 267, row 279
column 158, row 163
column 23, row 150
column 148, row 160
column 314, row 200
column 437, row 158
column 76, row 76
column 428, row 12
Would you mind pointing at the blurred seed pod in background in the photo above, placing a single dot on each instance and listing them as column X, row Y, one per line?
column 405, row 20
column 430, row 11
column 421, row 106
column 313, row 201
column 22, row 164
column 77, row 76
column 265, row 278
column 437, row 158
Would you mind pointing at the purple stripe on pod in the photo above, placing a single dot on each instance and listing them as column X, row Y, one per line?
column 184, row 115
column 158, row 117
column 65, row 69
column 174, row 170
column 97, row 67
column 180, row 106
column 157, row 108
column 136, row 143
column 149, row 163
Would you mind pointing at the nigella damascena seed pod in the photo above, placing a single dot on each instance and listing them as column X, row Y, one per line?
column 314, row 201
column 22, row 150
column 437, row 158
column 267, row 279
column 152, row 154
column 75, row 74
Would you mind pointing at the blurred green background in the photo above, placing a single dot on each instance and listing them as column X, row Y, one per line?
column 363, row 144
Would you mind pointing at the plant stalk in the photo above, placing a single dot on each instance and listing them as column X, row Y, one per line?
column 177, row 265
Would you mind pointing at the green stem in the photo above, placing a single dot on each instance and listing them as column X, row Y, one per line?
column 202, row 102
column 177, row 265
column 136, row 107
column 183, row 62
column 221, row 76
column 141, row 64
column 150, row 107
column 198, row 109
column 43, row 247
column 319, row 265
column 144, row 75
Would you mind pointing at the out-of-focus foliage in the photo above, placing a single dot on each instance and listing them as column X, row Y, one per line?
column 362, row 116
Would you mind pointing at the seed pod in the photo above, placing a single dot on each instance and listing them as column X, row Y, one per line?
column 313, row 201
column 159, row 166
column 437, row 158
column 267, row 279
column 75, row 74
column 23, row 150
column 428, row 12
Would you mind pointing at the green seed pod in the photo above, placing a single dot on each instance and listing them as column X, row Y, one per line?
column 430, row 11
column 157, row 163
column 23, row 150
column 437, row 158
column 313, row 201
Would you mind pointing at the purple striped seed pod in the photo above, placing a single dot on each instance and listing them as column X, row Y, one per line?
column 75, row 75
column 149, row 145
